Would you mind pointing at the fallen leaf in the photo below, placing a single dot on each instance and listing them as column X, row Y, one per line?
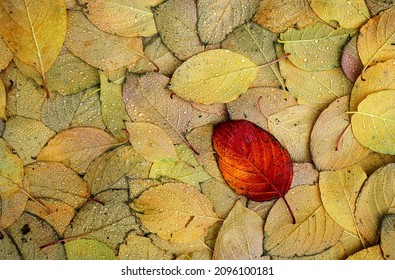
column 114, row 16
column 113, row 108
column 110, row 170
column 88, row 249
column 147, row 100
column 372, row 81
column 157, row 56
column 387, row 236
column 108, row 223
column 187, row 169
column 8, row 249
column 350, row 62
column 256, row 44
column 370, row 253
column 5, row 55
column 373, row 125
column 376, row 37
column 176, row 21
column 34, row 36
column 252, row 161
column 98, row 48
column 27, row 137
column 151, row 142
column 29, row 233
column 339, row 190
column 241, row 236
column 257, row 103
column 353, row 12
column 77, row 147
column 215, row 76
column 333, row 145
column 63, row 112
column 317, row 47
column 141, row 248
column 314, row 231
column 375, row 200
column 11, row 208
column 304, row 174
column 216, row 19
column 316, row 89
column 2, row 101
column 175, row 211
column 292, row 128
column 377, row 6
column 209, row 114
column 222, row 197
column 11, row 170
column 278, row 15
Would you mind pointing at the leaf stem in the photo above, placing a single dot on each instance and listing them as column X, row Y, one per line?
column 275, row 61
column 289, row 210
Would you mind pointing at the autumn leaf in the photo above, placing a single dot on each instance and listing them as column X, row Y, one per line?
column 77, row 147
column 387, row 235
column 5, row 55
column 241, row 235
column 34, row 36
column 252, row 161
column 189, row 210
column 88, row 249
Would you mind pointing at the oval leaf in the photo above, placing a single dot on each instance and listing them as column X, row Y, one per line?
column 216, row 76
column 252, row 161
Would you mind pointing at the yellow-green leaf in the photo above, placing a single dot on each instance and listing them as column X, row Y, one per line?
column 151, row 142
column 317, row 47
column 374, row 122
column 34, row 30
column 88, row 249
column 175, row 211
column 375, row 200
column 216, row 76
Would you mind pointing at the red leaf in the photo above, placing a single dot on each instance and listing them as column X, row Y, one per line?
column 252, row 160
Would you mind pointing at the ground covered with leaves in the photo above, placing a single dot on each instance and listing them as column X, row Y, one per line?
column 197, row 129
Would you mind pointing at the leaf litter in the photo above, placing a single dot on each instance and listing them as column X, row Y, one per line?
column 205, row 129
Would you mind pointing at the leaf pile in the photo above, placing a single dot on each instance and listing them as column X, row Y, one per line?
column 197, row 129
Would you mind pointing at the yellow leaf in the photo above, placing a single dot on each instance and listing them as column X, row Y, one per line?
column 292, row 127
column 374, row 122
column 27, row 137
column 315, row 88
column 376, row 38
column 373, row 81
column 34, row 30
column 339, row 190
column 141, row 248
column 114, row 16
column 216, row 19
column 333, row 145
column 5, row 55
column 371, row 253
column 279, row 15
column 151, row 142
column 77, row 147
column 375, row 200
column 98, row 48
column 216, row 76
column 241, row 235
column 349, row 14
column 175, row 211
column 314, row 230
column 387, row 237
